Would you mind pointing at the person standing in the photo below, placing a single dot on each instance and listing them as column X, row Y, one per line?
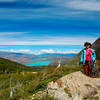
column 88, row 59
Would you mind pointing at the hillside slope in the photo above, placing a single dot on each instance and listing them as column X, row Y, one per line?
column 7, row 66
column 96, row 47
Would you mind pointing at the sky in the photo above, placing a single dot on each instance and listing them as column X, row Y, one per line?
column 48, row 22
column 41, row 49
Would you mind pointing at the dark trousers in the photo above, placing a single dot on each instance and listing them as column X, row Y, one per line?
column 88, row 68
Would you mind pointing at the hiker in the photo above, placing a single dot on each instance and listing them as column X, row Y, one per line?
column 88, row 59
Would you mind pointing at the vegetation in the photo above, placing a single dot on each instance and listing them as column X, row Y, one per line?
column 25, row 84
column 8, row 66
column 47, row 97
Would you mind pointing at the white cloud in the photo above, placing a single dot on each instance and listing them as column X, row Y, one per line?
column 11, row 33
column 58, row 51
column 46, row 40
column 47, row 51
column 21, row 51
column 59, row 9
column 51, row 51
column 92, row 5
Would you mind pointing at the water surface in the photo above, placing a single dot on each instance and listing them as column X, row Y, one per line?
column 39, row 63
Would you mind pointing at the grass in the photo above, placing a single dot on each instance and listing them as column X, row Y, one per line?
column 24, row 85
column 45, row 97
column 27, row 84
column 92, row 98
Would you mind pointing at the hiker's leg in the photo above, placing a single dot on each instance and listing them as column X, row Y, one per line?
column 90, row 68
column 86, row 68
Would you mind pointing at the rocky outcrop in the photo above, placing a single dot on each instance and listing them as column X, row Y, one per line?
column 96, row 47
column 75, row 86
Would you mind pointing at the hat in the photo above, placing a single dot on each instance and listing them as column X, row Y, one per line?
column 87, row 43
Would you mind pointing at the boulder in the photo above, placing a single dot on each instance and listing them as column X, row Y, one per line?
column 74, row 86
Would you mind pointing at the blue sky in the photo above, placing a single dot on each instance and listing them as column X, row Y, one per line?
column 49, row 22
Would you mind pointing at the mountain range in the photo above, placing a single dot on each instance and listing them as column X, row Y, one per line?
column 18, row 57
column 21, row 57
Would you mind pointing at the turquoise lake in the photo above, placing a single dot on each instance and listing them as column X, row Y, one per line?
column 38, row 63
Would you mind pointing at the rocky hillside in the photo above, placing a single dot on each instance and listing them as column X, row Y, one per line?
column 96, row 47
column 75, row 86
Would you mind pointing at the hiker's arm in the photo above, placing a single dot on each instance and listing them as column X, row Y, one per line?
column 81, row 58
column 94, row 56
column 95, row 61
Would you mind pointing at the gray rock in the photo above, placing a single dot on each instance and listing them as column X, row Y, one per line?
column 75, row 86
